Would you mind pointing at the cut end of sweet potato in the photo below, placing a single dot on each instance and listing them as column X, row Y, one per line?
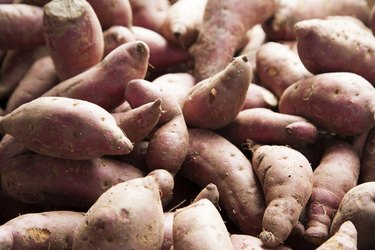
column 63, row 9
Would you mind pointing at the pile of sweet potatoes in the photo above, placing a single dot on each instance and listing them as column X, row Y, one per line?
column 188, row 124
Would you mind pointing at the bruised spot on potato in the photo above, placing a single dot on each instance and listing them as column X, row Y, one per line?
column 272, row 71
column 38, row 234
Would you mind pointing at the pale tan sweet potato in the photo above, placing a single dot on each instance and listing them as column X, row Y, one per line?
column 105, row 83
column 223, row 30
column 330, row 187
column 71, row 184
column 213, row 159
column 127, row 216
column 66, row 128
column 287, row 180
column 73, row 36
column 248, row 242
column 201, row 218
column 339, row 102
column 358, row 206
column 45, row 230
column 344, row 239
column 281, row 24
column 215, row 102
column 21, row 26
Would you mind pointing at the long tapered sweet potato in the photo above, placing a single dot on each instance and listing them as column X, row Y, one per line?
column 183, row 21
column 45, row 230
column 197, row 219
column 339, row 102
column 129, row 215
column 358, row 206
column 39, row 78
column 287, row 180
column 216, row 101
column 333, row 44
column 280, row 26
column 168, row 144
column 224, row 27
column 269, row 127
column 113, row 12
column 66, row 128
column 71, row 184
column 73, row 36
column 105, row 83
column 21, row 26
column 278, row 67
column 213, row 159
column 329, row 188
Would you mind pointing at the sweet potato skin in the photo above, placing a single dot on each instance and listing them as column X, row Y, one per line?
column 115, row 36
column 349, row 96
column 329, row 188
column 45, row 179
column 45, row 230
column 89, row 130
column 358, row 206
column 240, row 193
column 287, row 180
column 344, row 238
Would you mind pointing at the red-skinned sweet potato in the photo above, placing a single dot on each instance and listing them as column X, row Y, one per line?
column 287, row 180
column 340, row 102
column 358, row 206
column 259, row 97
column 46, row 230
column 367, row 159
column 129, row 215
column 39, row 78
column 116, row 36
column 215, row 102
column 343, row 40
column 213, row 159
column 73, row 36
column 281, row 25
column 223, row 30
column 21, row 26
column 105, row 83
column 66, row 128
column 330, row 187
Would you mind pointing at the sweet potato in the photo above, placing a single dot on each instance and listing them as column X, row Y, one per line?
column 39, row 78
column 330, row 187
column 358, row 206
column 129, row 215
column 66, row 128
column 116, row 36
column 178, row 84
column 339, row 102
column 281, row 25
column 105, row 83
column 71, row 184
column 342, row 40
column 165, row 181
column 15, row 65
column 223, row 30
column 21, row 26
column 163, row 54
column 213, row 159
column 215, row 102
column 47, row 230
column 183, row 21
column 73, row 36
column 367, row 172
column 259, row 97
column 200, row 218
column 278, row 67
column 168, row 231
column 344, row 238
column 287, row 180
column 269, row 127
column 248, row 242
column 168, row 144
column 140, row 121
column 113, row 12
column 149, row 14
column 10, row 147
